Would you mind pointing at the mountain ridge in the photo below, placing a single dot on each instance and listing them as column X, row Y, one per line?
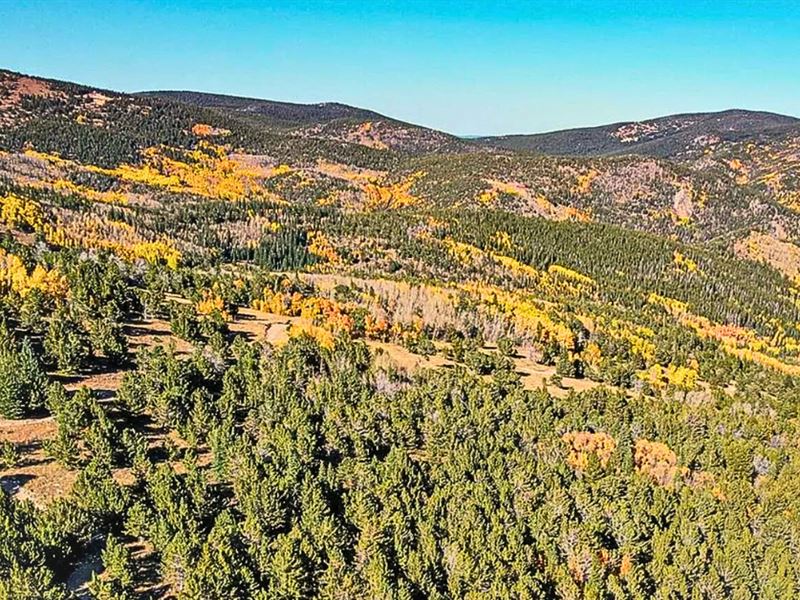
column 609, row 139
column 654, row 137
column 293, row 113
column 718, row 190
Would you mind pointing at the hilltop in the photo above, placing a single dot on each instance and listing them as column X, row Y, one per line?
column 327, row 120
column 212, row 180
column 280, row 114
column 666, row 137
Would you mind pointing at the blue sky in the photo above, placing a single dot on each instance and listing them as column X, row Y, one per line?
column 464, row 66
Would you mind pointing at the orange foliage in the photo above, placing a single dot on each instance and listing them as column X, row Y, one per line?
column 655, row 460
column 326, row 313
column 376, row 328
column 201, row 129
column 582, row 444
column 738, row 341
column 205, row 130
column 626, row 565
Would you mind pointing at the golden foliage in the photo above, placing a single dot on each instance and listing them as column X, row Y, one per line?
column 396, row 195
column 465, row 253
column 738, row 341
column 90, row 194
column 558, row 270
column 211, row 303
column 320, row 246
column 592, row 355
column 120, row 238
column 672, row 305
column 15, row 278
column 324, row 337
column 682, row 378
column 314, row 310
column 583, row 184
column 741, row 171
column 18, row 212
column 206, row 171
column 154, row 252
column 280, row 170
column 518, row 268
column 499, row 188
column 684, row 262
column 279, row 303
column 527, row 316
column 639, row 337
column 501, row 241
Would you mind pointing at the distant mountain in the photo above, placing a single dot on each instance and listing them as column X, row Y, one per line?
column 327, row 120
column 280, row 114
column 725, row 174
column 666, row 137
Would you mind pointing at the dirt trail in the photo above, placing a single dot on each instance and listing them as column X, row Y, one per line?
column 534, row 375
column 37, row 477
column 262, row 326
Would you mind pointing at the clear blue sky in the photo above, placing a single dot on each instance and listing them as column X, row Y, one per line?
column 463, row 66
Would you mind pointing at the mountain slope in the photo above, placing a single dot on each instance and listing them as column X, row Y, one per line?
column 279, row 114
column 210, row 329
column 383, row 164
column 327, row 120
column 669, row 136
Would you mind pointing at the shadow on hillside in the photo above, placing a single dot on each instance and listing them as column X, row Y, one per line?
column 11, row 484
column 81, row 572
column 143, row 330
column 28, row 452
column 148, row 576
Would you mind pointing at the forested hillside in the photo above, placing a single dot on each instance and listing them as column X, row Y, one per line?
column 252, row 349
column 664, row 137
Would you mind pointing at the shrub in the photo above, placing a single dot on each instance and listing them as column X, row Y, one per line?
column 183, row 323
column 108, row 337
column 9, row 455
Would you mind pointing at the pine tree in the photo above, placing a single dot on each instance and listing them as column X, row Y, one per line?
column 66, row 343
column 118, row 577
column 22, row 381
